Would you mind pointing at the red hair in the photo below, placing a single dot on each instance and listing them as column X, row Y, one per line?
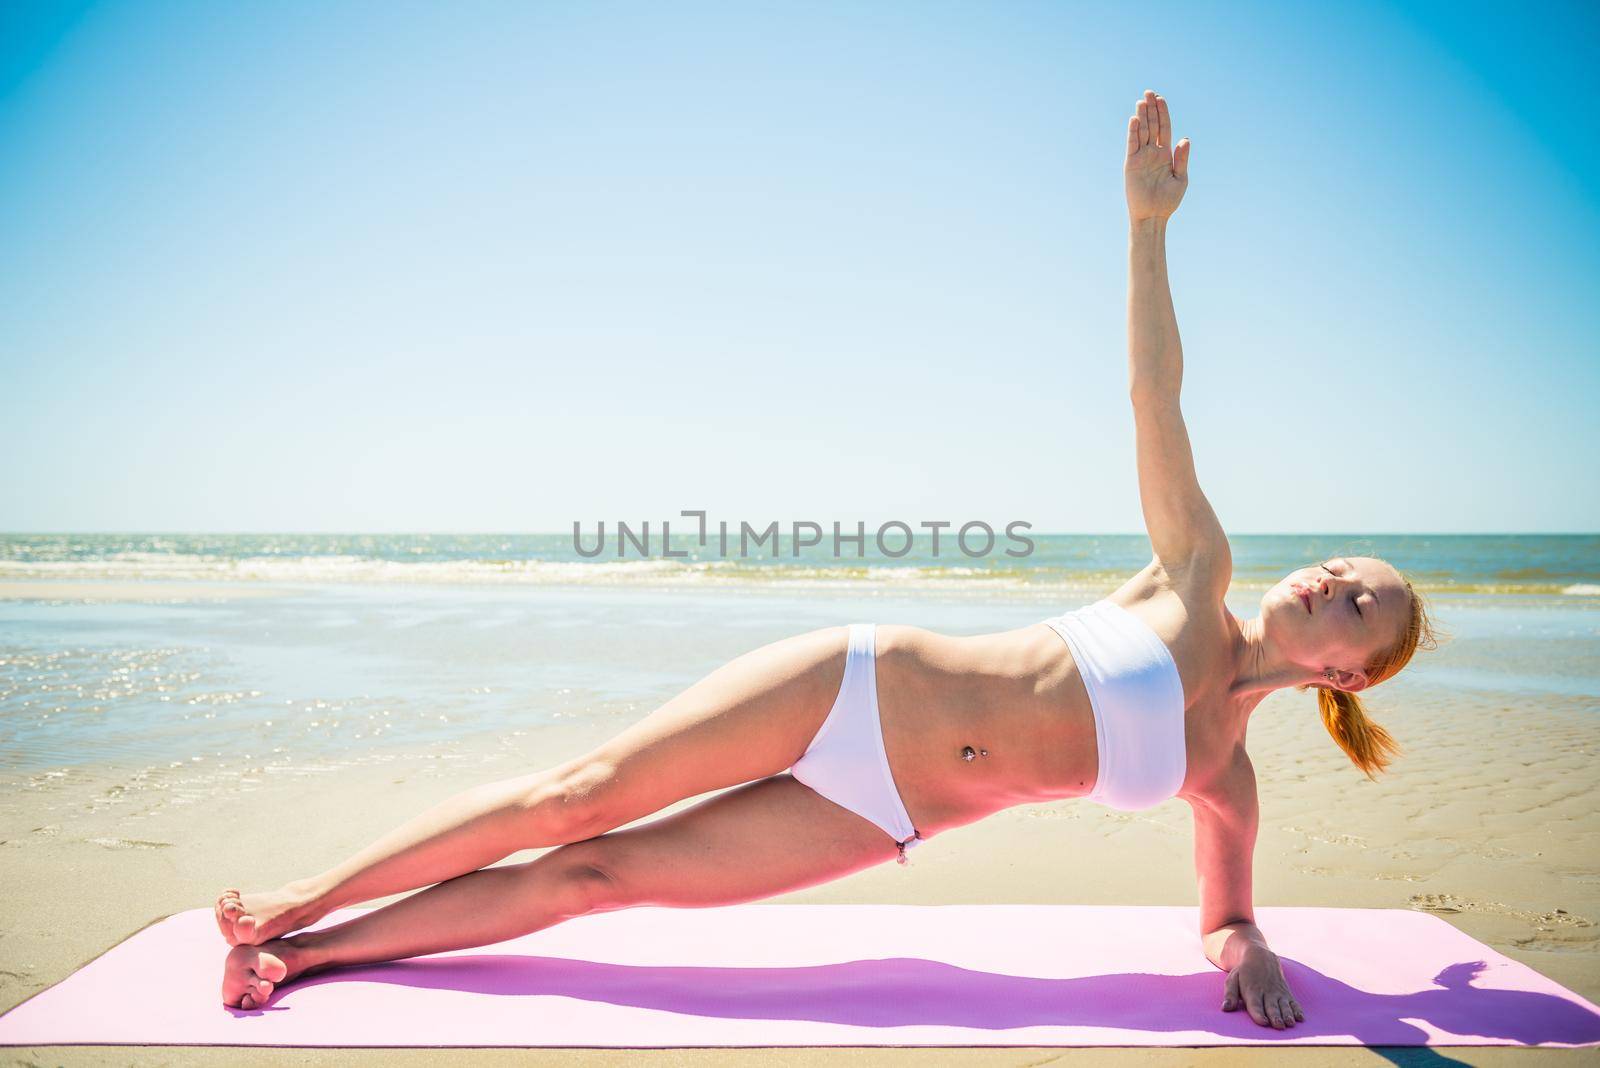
column 1368, row 745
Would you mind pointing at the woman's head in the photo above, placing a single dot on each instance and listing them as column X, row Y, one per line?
column 1352, row 621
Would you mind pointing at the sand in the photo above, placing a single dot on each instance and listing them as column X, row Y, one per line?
column 1489, row 821
column 80, row 592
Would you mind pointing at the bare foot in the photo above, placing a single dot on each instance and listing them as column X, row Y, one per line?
column 251, row 919
column 252, row 973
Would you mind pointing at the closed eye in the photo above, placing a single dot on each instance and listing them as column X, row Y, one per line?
column 1353, row 603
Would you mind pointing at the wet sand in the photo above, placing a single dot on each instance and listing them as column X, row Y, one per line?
column 77, row 591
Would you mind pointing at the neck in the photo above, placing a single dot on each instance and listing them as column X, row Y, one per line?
column 1259, row 667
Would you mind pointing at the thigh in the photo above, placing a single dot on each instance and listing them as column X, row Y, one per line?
column 754, row 841
column 750, row 718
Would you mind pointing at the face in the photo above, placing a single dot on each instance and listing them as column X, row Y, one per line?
column 1338, row 614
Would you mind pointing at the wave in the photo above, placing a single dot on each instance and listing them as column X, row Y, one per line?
column 348, row 568
column 341, row 569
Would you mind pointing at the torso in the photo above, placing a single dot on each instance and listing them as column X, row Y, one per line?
column 1018, row 695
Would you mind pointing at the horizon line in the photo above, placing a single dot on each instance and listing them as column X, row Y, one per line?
column 1031, row 533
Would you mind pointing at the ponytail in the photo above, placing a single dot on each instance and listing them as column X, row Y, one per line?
column 1369, row 746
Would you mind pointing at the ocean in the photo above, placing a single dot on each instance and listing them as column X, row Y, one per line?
column 367, row 644
column 1546, row 564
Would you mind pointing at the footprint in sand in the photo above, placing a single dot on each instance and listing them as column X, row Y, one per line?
column 127, row 843
column 1335, row 839
column 1437, row 902
column 1539, row 920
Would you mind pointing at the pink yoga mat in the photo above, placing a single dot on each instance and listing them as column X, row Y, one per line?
column 833, row 975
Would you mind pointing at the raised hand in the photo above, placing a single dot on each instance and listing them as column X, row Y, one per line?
column 1154, row 175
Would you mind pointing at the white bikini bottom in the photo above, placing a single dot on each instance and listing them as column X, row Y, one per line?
column 846, row 761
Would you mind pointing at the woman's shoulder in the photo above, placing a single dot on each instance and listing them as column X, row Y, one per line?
column 1198, row 631
column 1185, row 611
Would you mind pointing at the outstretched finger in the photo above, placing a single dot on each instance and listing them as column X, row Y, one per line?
column 1165, row 116
column 1230, row 993
column 1180, row 159
column 1133, row 134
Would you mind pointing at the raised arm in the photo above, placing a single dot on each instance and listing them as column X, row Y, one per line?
column 1225, row 821
column 1184, row 531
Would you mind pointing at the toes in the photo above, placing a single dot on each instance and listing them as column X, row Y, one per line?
column 220, row 910
column 231, row 910
column 245, row 928
column 250, row 977
column 271, row 968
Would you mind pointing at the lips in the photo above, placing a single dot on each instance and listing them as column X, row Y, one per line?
column 1305, row 597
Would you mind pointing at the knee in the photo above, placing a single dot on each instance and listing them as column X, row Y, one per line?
column 569, row 804
column 588, row 885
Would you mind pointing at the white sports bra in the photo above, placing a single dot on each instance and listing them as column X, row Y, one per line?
column 1138, row 702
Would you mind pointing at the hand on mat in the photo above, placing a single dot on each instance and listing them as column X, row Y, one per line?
column 1258, row 986
column 1154, row 175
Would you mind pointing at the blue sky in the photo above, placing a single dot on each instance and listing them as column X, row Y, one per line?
column 506, row 266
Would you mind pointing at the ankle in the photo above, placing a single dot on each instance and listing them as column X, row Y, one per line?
column 301, row 953
column 316, row 899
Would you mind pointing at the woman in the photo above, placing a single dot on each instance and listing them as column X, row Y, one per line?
column 856, row 742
